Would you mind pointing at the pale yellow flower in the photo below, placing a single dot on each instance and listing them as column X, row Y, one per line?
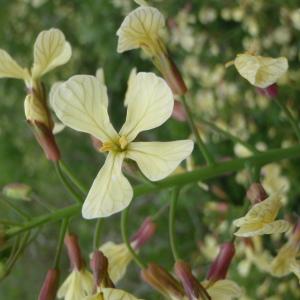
column 118, row 257
column 81, row 103
column 286, row 260
column 78, row 285
column 111, row 294
column 260, row 219
column 223, row 290
column 50, row 51
column 260, row 71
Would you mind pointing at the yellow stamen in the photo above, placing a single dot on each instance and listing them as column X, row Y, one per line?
column 123, row 142
column 108, row 146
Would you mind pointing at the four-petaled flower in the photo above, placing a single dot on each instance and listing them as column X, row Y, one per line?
column 81, row 103
column 260, row 71
column 50, row 51
column 260, row 218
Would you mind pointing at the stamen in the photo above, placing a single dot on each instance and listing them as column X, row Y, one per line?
column 123, row 142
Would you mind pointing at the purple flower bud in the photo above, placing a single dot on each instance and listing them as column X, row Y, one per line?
column 50, row 285
column 179, row 112
column 74, row 252
column 145, row 232
column 256, row 193
column 220, row 265
column 270, row 91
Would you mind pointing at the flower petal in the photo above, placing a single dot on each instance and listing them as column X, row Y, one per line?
column 111, row 192
column 224, row 290
column 118, row 257
column 150, row 104
column 9, row 68
column 260, row 71
column 115, row 294
column 80, row 103
column 130, row 85
column 50, row 51
column 140, row 28
column 158, row 159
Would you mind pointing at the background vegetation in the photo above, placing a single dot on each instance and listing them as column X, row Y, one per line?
column 203, row 36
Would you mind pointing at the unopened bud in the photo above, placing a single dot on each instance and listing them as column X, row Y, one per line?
column 220, row 265
column 270, row 91
column 145, row 232
column 99, row 266
column 50, row 285
column 193, row 289
column 256, row 193
column 170, row 73
column 162, row 281
column 179, row 112
column 18, row 191
column 74, row 252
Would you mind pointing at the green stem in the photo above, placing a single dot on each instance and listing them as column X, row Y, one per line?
column 19, row 211
column 97, row 233
column 172, row 212
column 72, row 177
column 135, row 256
column 201, row 174
column 66, row 183
column 289, row 116
column 232, row 137
column 205, row 152
column 160, row 212
column 60, row 242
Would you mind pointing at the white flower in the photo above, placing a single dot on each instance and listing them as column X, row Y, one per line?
column 81, row 103
column 111, row 294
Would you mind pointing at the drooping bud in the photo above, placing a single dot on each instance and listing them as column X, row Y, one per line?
column 145, row 232
column 162, row 281
column 74, row 252
column 99, row 266
column 193, row 289
column 179, row 112
column 220, row 265
column 18, row 191
column 270, row 91
column 50, row 285
column 256, row 193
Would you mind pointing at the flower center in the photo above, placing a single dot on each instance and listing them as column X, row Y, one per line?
column 117, row 146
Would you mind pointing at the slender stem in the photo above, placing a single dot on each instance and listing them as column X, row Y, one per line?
column 172, row 233
column 232, row 137
column 205, row 152
column 42, row 203
column 97, row 233
column 72, row 177
column 201, row 174
column 66, row 183
column 289, row 116
column 135, row 256
column 19, row 211
column 158, row 214
column 60, row 242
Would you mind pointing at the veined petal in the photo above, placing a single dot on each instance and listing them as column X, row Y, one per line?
column 80, row 103
column 140, row 28
column 9, row 68
column 158, row 159
column 115, row 294
column 260, row 71
column 224, row 290
column 111, row 192
column 118, row 257
column 150, row 104
column 50, row 51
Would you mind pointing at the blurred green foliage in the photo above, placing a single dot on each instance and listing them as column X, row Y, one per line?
column 90, row 26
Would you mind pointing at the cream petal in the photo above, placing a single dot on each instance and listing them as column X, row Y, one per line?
column 9, row 68
column 111, row 192
column 80, row 103
column 224, row 290
column 140, row 28
column 130, row 85
column 159, row 159
column 150, row 104
column 100, row 75
column 50, row 51
column 260, row 71
column 115, row 294
column 118, row 257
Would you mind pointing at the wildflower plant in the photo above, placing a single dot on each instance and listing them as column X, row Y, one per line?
column 168, row 152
